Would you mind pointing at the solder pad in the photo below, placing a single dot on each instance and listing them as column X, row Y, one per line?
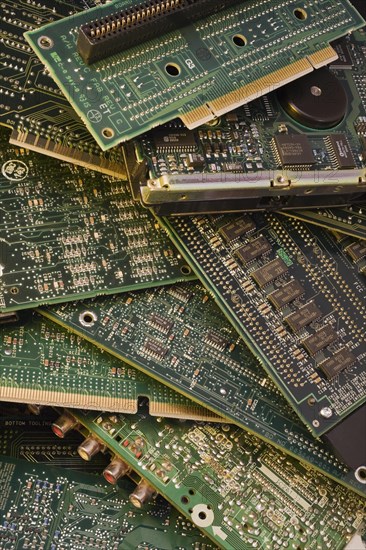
column 333, row 294
column 195, row 73
column 239, row 491
column 67, row 232
column 178, row 335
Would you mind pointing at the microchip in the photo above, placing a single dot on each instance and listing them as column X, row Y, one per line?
column 286, row 294
column 340, row 151
column 269, row 272
column 236, row 228
column 320, row 340
column 180, row 293
column 253, row 250
column 160, row 322
column 293, row 151
column 174, row 139
column 216, row 341
column 155, row 349
column 344, row 60
column 356, row 250
column 303, row 316
column 340, row 361
column 197, row 162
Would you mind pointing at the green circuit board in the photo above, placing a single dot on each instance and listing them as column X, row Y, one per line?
column 32, row 105
column 295, row 296
column 47, row 508
column 239, row 491
column 350, row 220
column 179, row 336
column 195, row 73
column 67, row 232
column 42, row 363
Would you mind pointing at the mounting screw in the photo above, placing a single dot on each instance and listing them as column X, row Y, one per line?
column 326, row 412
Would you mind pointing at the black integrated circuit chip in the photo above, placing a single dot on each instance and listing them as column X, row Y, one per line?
column 340, row 151
column 293, row 151
column 160, row 322
column 253, row 250
column 180, row 293
column 269, row 272
column 340, row 361
column 356, row 250
column 155, row 349
column 237, row 228
column 303, row 316
column 168, row 140
column 320, row 340
column 344, row 60
column 286, row 294
column 216, row 341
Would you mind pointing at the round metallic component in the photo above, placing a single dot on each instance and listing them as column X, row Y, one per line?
column 116, row 469
column 326, row 412
column 142, row 494
column 64, row 424
column 317, row 100
column 360, row 474
column 89, row 448
column 87, row 318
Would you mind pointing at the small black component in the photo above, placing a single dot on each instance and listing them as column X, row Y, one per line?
column 344, row 60
column 317, row 100
column 340, row 361
column 216, row 341
column 349, row 442
column 286, row 294
column 269, row 272
column 155, row 349
column 180, row 293
column 232, row 167
column 340, row 151
column 197, row 162
column 160, row 322
column 253, row 250
column 293, row 151
column 169, row 140
column 122, row 30
column 303, row 316
column 356, row 250
column 237, row 228
column 320, row 340
column 7, row 318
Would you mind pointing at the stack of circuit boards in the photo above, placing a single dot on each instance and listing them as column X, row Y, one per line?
column 183, row 275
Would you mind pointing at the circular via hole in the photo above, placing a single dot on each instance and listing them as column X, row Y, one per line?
column 311, row 401
column 239, row 40
column 14, row 290
column 202, row 515
column 184, row 499
column 45, row 42
column 360, row 474
column 186, row 270
column 172, row 69
column 87, row 318
column 192, row 492
column 300, row 14
column 108, row 133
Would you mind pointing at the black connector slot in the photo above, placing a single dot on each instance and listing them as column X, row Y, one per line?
column 120, row 31
column 8, row 317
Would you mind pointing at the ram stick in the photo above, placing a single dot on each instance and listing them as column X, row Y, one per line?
column 196, row 73
column 180, row 337
column 67, row 232
column 299, row 303
column 238, row 490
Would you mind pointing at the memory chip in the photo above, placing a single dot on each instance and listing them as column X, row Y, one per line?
column 253, row 250
column 344, row 60
column 303, row 316
column 320, row 340
column 293, row 151
column 216, row 341
column 340, row 151
column 155, row 349
column 340, row 361
column 237, row 228
column 174, row 139
column 269, row 272
column 286, row 294
column 181, row 294
column 160, row 322
column 356, row 250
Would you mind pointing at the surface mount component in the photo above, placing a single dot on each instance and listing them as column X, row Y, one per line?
column 196, row 73
column 323, row 378
column 47, row 507
column 32, row 105
column 223, row 479
column 203, row 359
column 42, row 363
column 67, row 232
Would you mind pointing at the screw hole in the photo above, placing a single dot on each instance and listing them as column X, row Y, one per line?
column 87, row 318
column 239, row 40
column 192, row 492
column 108, row 133
column 360, row 474
column 172, row 69
column 184, row 500
column 202, row 515
column 300, row 14
column 186, row 270
column 45, row 42
column 14, row 290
